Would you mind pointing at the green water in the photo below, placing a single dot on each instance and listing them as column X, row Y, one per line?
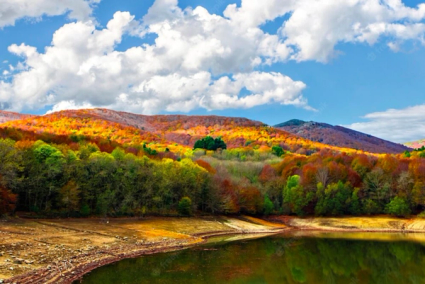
column 277, row 259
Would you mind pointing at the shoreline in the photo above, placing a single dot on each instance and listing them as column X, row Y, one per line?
column 74, row 268
column 58, row 273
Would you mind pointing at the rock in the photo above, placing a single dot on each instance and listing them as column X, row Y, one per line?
column 18, row 261
column 11, row 268
column 49, row 267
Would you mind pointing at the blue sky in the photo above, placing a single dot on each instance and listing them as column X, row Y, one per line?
column 359, row 77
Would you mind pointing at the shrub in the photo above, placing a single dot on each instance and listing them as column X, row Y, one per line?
column 185, row 206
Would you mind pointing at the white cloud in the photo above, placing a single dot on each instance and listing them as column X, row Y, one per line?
column 316, row 27
column 64, row 105
column 199, row 59
column 13, row 10
column 187, row 67
column 398, row 125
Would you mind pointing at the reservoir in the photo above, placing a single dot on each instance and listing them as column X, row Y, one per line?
column 323, row 258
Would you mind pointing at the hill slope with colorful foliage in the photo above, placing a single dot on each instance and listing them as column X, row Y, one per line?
column 416, row 144
column 163, row 131
column 102, row 162
column 10, row 116
column 340, row 136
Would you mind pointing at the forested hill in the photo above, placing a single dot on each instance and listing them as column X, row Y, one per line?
column 176, row 132
column 9, row 116
column 102, row 162
column 340, row 136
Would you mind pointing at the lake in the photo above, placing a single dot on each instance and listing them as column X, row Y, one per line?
column 276, row 259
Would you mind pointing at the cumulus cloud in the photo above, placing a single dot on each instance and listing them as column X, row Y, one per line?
column 199, row 59
column 398, row 125
column 316, row 27
column 13, row 10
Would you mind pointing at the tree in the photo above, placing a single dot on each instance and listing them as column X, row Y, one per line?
column 278, row 151
column 333, row 199
column 69, row 196
column 185, row 206
column 209, row 143
column 295, row 198
column 268, row 205
column 7, row 200
column 398, row 207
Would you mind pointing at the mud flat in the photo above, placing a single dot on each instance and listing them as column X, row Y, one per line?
column 61, row 251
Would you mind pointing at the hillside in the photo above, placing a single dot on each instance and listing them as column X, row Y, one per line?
column 10, row 116
column 416, row 144
column 176, row 132
column 107, row 163
column 340, row 136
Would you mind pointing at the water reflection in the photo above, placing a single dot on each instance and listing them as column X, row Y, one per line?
column 278, row 259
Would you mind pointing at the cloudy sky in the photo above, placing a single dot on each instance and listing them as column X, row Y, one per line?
column 357, row 63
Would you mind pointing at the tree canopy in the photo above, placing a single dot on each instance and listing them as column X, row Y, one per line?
column 209, row 143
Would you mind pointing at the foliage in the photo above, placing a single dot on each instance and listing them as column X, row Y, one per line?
column 209, row 143
column 7, row 201
column 185, row 206
column 79, row 163
column 268, row 206
column 398, row 207
column 278, row 151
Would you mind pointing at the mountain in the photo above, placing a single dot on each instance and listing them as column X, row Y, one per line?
column 108, row 128
column 340, row 136
column 10, row 116
column 415, row 144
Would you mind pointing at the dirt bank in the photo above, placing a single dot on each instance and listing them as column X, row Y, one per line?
column 353, row 224
column 61, row 251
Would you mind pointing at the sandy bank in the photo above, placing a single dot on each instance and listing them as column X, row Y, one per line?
column 354, row 224
column 61, row 251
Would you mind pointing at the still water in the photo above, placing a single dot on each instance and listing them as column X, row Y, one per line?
column 275, row 259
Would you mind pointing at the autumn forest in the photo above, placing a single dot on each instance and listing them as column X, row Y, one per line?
column 106, row 163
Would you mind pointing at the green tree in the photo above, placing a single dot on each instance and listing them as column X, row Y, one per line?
column 333, row 199
column 268, row 205
column 398, row 207
column 278, row 151
column 210, row 143
column 185, row 206
column 295, row 197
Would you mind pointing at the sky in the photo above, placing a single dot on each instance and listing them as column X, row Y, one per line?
column 356, row 63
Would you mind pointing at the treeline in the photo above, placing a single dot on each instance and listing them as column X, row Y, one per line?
column 81, row 180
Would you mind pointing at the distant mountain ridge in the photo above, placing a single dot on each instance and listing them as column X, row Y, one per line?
column 340, row 136
column 6, row 116
column 108, row 128
column 125, row 128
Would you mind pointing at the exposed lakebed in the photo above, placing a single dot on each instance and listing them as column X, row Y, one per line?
column 285, row 258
